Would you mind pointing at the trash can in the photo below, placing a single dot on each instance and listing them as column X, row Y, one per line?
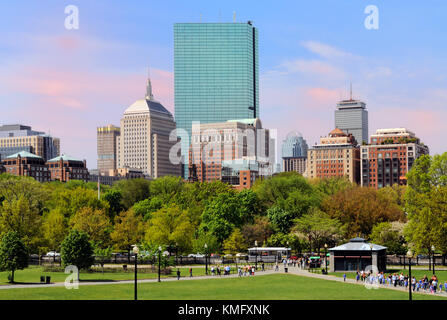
column 286, row 269
column 48, row 279
column 42, row 279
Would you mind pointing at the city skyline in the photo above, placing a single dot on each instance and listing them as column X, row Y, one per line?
column 69, row 82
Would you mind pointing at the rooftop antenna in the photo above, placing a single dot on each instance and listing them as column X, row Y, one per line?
column 234, row 16
column 351, row 90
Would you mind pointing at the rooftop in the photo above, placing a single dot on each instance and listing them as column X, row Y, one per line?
column 64, row 158
column 23, row 154
column 358, row 244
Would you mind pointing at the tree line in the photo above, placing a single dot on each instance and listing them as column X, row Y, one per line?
column 284, row 210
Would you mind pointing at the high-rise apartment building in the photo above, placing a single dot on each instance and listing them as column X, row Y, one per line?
column 337, row 155
column 215, row 74
column 144, row 139
column 107, row 139
column 389, row 157
column 351, row 116
column 294, row 153
column 16, row 138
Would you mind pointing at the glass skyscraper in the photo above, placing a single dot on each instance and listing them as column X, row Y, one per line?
column 215, row 74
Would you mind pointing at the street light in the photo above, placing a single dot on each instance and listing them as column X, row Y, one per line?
column 433, row 252
column 159, row 263
column 409, row 255
column 206, row 259
column 371, row 247
column 135, row 251
column 325, row 256
column 256, row 255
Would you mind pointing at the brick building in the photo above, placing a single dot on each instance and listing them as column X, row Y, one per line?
column 65, row 168
column 337, row 155
column 389, row 157
column 28, row 165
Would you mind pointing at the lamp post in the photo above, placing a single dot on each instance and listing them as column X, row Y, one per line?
column 371, row 247
column 256, row 255
column 325, row 256
column 206, row 259
column 409, row 255
column 136, row 251
column 176, row 254
column 433, row 254
column 159, row 263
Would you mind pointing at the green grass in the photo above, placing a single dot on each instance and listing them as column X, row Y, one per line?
column 33, row 273
column 276, row 286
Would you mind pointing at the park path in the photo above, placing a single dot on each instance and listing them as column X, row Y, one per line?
column 92, row 283
column 305, row 273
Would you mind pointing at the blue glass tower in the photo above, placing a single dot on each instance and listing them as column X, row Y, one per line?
column 215, row 74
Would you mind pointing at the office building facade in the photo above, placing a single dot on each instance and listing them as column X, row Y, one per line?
column 351, row 117
column 294, row 153
column 15, row 138
column 107, row 139
column 144, row 142
column 337, row 155
column 227, row 148
column 216, row 74
column 389, row 157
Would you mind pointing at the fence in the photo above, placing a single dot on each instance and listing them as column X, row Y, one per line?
column 402, row 260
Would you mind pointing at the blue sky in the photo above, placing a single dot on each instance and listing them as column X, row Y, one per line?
column 71, row 81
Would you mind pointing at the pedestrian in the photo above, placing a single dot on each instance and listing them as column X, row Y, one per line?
column 262, row 266
column 218, row 271
column 178, row 274
column 190, row 272
column 239, row 271
column 276, row 267
column 212, row 271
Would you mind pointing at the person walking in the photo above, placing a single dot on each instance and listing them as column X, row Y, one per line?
column 178, row 274
column 262, row 266
column 190, row 272
column 276, row 267
column 344, row 277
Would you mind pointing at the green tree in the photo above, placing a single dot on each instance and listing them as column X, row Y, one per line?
column 77, row 250
column 113, row 198
column 132, row 191
column 387, row 235
column 54, row 229
column 281, row 219
column 235, row 243
column 198, row 244
column 95, row 223
column 13, row 254
column 147, row 207
column 318, row 227
column 128, row 231
column 170, row 227
column 166, row 187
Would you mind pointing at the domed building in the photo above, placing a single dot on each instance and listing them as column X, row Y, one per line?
column 144, row 138
column 294, row 153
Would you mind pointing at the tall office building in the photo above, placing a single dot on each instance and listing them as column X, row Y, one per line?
column 144, row 139
column 215, row 75
column 294, row 153
column 16, row 138
column 389, row 157
column 351, row 116
column 107, row 139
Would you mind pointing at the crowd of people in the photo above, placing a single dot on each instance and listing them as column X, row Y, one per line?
column 426, row 284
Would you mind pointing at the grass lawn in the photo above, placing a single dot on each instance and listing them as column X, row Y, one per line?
column 276, row 286
column 33, row 273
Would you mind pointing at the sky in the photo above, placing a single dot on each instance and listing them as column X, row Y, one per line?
column 70, row 81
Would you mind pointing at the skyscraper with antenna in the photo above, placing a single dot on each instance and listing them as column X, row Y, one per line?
column 351, row 116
